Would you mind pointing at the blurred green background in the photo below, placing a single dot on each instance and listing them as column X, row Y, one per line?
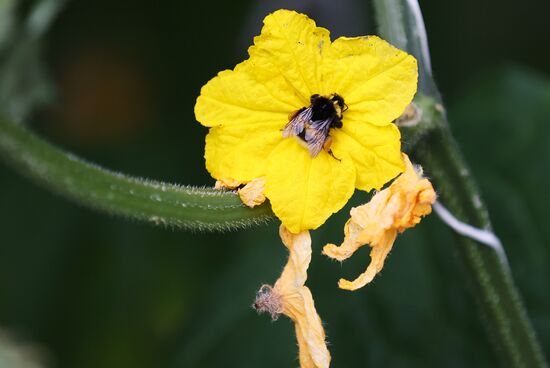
column 116, row 83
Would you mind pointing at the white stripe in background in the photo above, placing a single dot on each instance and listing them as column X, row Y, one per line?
column 480, row 235
column 421, row 29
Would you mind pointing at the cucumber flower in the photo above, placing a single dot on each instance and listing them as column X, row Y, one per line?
column 311, row 116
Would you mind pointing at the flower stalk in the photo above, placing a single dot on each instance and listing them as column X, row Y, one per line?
column 155, row 202
column 435, row 149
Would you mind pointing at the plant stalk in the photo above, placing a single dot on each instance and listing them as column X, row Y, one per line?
column 155, row 202
column 489, row 277
column 501, row 308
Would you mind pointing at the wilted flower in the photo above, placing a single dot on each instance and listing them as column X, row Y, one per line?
column 377, row 223
column 290, row 297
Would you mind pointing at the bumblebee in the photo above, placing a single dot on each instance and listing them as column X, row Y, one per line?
column 311, row 125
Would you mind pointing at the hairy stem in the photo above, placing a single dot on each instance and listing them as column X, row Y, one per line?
column 501, row 308
column 152, row 201
column 490, row 279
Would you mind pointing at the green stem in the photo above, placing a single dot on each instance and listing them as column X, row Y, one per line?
column 400, row 22
column 429, row 113
column 490, row 279
column 152, row 201
column 434, row 147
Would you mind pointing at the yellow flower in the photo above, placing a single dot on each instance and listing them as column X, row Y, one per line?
column 291, row 60
column 377, row 223
column 290, row 297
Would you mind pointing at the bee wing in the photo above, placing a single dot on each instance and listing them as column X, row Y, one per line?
column 316, row 135
column 297, row 123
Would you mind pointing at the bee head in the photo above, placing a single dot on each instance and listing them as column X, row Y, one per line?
column 337, row 100
column 339, row 103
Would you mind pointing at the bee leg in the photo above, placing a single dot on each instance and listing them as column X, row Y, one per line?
column 326, row 147
column 332, row 154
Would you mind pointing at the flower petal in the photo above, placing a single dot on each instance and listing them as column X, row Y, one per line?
column 377, row 223
column 240, row 152
column 309, row 330
column 297, row 301
column 304, row 191
column 375, row 150
column 227, row 183
column 236, row 97
column 378, row 255
column 287, row 54
column 252, row 194
column 376, row 80
column 289, row 296
column 294, row 274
